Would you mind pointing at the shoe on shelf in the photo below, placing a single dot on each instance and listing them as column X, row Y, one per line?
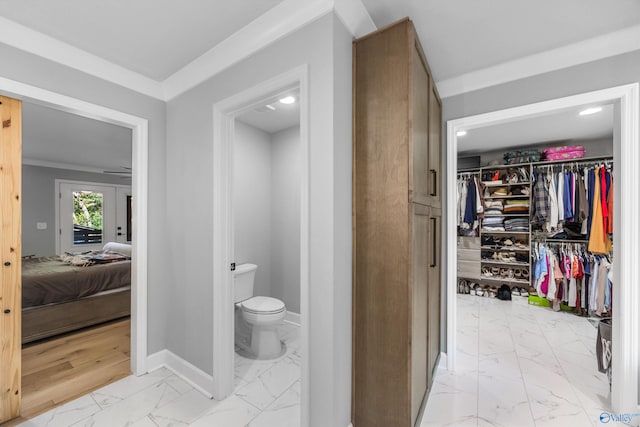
column 515, row 291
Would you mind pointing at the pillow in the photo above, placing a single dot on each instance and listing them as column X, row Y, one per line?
column 121, row 248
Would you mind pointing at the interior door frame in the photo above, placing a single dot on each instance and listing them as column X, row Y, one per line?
column 626, row 151
column 224, row 113
column 139, row 187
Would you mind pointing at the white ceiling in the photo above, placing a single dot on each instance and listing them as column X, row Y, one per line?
column 460, row 36
column 54, row 137
column 271, row 121
column 152, row 37
column 561, row 127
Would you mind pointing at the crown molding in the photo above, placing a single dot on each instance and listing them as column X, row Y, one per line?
column 355, row 17
column 60, row 165
column 607, row 45
column 28, row 40
column 283, row 19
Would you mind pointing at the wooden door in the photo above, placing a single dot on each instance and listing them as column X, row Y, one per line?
column 433, row 298
column 10, row 252
column 435, row 148
column 419, row 306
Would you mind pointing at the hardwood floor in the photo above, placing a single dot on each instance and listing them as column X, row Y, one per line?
column 62, row 369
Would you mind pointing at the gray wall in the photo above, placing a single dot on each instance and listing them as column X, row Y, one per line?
column 38, row 204
column 33, row 70
column 614, row 71
column 252, row 203
column 285, row 217
column 325, row 46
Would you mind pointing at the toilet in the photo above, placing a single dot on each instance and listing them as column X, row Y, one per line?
column 263, row 314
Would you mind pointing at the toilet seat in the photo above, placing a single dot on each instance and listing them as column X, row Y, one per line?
column 263, row 305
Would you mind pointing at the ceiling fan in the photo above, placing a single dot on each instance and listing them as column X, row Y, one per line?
column 126, row 172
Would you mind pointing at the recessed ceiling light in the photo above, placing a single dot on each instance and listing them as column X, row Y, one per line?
column 288, row 100
column 461, row 133
column 589, row 111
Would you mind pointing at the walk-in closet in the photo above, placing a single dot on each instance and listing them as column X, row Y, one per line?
column 535, row 255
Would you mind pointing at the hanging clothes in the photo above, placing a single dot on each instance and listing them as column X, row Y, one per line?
column 610, row 204
column 599, row 241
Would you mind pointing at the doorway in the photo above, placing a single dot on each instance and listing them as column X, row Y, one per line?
column 139, row 127
column 225, row 114
column 624, row 396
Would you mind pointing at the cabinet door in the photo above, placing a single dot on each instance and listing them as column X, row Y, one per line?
column 420, row 130
column 419, row 308
column 435, row 148
column 433, row 294
column 10, row 251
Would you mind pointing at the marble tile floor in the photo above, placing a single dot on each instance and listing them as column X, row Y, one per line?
column 518, row 366
column 267, row 394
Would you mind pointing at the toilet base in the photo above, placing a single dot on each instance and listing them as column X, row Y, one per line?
column 265, row 343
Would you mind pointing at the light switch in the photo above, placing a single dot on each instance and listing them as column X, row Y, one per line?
column 41, row 225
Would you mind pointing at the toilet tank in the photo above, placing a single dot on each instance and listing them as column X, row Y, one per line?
column 243, row 279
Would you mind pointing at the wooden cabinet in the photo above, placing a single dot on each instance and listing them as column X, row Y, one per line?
column 435, row 147
column 434, row 291
column 396, row 229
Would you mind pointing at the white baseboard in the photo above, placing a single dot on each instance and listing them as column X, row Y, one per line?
column 292, row 317
column 443, row 360
column 193, row 375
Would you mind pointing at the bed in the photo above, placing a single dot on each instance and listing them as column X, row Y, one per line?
column 59, row 297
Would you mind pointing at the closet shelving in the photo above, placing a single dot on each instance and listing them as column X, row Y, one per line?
column 489, row 265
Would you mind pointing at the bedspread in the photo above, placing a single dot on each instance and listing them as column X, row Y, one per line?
column 49, row 280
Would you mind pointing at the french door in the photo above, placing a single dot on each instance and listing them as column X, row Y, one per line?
column 87, row 216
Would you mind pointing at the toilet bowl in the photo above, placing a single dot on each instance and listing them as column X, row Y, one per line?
column 262, row 314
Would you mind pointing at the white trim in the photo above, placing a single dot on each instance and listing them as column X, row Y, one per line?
column 615, row 43
column 223, row 331
column 278, row 22
column 223, row 117
column 293, row 318
column 355, row 17
column 60, row 165
column 140, row 185
column 191, row 374
column 626, row 316
column 28, row 40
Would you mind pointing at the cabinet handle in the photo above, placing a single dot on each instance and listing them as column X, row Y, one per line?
column 434, row 182
column 434, row 243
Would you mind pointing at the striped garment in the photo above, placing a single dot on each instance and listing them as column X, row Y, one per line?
column 541, row 199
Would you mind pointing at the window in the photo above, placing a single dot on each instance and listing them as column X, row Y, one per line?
column 87, row 217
